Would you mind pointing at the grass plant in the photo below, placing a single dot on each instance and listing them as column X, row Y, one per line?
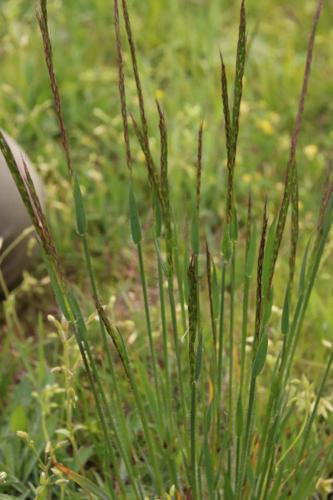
column 199, row 412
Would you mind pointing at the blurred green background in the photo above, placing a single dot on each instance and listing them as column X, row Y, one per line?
column 178, row 47
column 178, row 44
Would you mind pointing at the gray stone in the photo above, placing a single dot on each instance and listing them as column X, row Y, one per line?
column 14, row 219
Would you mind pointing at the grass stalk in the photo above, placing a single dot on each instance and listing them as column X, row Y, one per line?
column 220, row 359
column 122, row 352
column 258, row 358
column 193, row 331
column 290, row 188
column 207, row 437
column 169, row 242
column 150, row 332
column 231, row 358
column 79, row 206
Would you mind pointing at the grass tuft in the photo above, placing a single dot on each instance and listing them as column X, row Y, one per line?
column 199, row 400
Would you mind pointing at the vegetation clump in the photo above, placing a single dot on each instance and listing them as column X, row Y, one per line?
column 209, row 406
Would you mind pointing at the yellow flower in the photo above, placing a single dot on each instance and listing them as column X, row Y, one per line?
column 311, row 151
column 159, row 94
column 265, row 126
column 247, row 178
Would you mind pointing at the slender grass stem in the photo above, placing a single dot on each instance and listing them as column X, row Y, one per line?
column 193, row 308
column 220, row 364
column 189, row 432
column 176, row 344
column 123, row 355
column 164, row 332
column 157, row 474
column 86, row 357
column 247, row 438
column 248, row 269
column 231, row 359
column 313, row 414
column 179, row 277
column 194, row 472
column 150, row 332
column 246, row 292
column 211, row 308
column 169, row 429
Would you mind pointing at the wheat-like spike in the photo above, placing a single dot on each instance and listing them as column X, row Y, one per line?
column 164, row 187
column 143, row 134
column 121, row 86
column 326, row 199
column 136, row 72
column 240, row 67
column 260, row 263
column 232, row 122
column 164, row 152
column 114, row 335
column 42, row 18
column 41, row 220
column 294, row 226
column 291, row 180
column 226, row 109
column 228, row 138
column 199, row 168
column 151, row 167
column 193, row 313
column 327, row 193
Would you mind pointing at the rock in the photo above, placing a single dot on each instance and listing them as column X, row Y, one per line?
column 14, row 219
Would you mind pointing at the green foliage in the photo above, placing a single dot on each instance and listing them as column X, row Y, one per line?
column 183, row 385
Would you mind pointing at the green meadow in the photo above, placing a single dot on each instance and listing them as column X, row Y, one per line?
column 174, row 339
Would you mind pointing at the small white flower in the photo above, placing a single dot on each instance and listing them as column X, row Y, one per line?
column 48, row 448
column 22, row 435
column 325, row 486
column 3, row 477
column 327, row 343
column 324, row 408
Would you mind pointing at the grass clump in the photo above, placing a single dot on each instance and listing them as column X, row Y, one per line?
column 201, row 413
